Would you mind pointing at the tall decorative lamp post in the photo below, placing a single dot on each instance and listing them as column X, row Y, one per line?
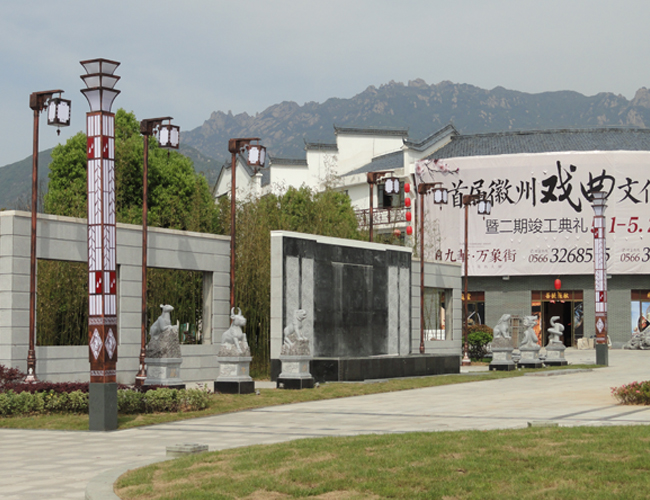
column 168, row 137
column 58, row 114
column 102, row 315
column 600, row 277
column 484, row 207
column 439, row 198
column 255, row 155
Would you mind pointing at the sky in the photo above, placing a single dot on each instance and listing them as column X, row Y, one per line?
column 188, row 58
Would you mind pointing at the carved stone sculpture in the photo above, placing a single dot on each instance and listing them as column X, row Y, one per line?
column 501, row 346
column 163, row 352
column 556, row 330
column 555, row 347
column 640, row 340
column 528, row 347
column 163, row 337
column 233, row 340
column 529, row 339
column 234, row 359
column 295, row 356
column 295, row 341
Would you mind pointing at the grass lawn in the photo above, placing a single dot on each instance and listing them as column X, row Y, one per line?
column 226, row 403
column 539, row 463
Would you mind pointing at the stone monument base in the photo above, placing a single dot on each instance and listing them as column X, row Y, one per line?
column 530, row 357
column 234, row 375
column 165, row 372
column 555, row 354
column 295, row 373
column 502, row 355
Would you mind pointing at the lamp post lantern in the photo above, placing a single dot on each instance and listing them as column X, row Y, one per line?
column 600, row 277
column 439, row 198
column 100, row 81
column 58, row 114
column 255, row 155
column 372, row 178
column 484, row 207
column 168, row 137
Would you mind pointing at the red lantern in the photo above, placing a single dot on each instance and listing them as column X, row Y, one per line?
column 408, row 216
column 397, row 233
column 558, row 284
column 409, row 230
column 407, row 202
column 407, row 187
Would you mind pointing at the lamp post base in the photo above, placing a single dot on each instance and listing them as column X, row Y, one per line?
column 602, row 355
column 102, row 406
column 466, row 361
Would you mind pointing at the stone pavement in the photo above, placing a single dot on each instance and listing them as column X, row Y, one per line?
column 64, row 465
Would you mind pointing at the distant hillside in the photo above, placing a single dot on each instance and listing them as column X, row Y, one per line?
column 420, row 107
column 423, row 109
column 16, row 181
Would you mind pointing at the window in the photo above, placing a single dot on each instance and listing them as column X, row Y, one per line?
column 640, row 309
column 475, row 308
column 388, row 200
column 435, row 312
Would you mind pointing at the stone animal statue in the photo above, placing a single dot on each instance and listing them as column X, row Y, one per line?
column 529, row 339
column 293, row 332
column 556, row 330
column 502, row 330
column 164, row 321
column 234, row 337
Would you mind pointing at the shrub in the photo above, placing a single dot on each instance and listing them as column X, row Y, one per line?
column 636, row 393
column 478, row 338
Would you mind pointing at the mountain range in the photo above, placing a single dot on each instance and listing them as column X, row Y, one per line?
column 422, row 108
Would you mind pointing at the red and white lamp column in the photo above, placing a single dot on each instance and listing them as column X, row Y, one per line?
column 600, row 277
column 102, row 280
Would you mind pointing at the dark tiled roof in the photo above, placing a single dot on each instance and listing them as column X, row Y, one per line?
column 322, row 146
column 390, row 161
column 546, row 141
column 397, row 132
column 289, row 161
column 427, row 141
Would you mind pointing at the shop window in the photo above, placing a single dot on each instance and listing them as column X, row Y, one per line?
column 640, row 308
column 475, row 308
column 435, row 313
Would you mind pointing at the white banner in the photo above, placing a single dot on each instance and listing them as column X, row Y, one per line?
column 541, row 216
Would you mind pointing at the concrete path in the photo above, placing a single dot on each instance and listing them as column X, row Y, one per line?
column 61, row 465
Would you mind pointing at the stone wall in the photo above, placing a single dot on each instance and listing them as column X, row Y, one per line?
column 65, row 238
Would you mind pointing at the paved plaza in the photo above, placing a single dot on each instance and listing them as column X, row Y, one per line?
column 73, row 465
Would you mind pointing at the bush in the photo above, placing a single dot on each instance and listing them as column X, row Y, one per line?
column 478, row 338
column 636, row 393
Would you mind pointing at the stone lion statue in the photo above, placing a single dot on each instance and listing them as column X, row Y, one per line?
column 295, row 341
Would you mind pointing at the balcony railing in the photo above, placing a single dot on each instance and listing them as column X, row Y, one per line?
column 381, row 216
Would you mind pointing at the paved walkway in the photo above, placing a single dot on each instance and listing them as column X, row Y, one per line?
column 61, row 465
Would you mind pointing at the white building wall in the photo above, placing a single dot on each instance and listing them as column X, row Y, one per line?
column 358, row 150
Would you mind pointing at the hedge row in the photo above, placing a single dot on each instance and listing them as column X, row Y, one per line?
column 128, row 401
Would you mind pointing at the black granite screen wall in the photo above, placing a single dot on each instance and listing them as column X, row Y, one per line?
column 351, row 295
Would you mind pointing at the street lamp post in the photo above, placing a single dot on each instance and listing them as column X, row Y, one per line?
column 58, row 115
column 100, row 81
column 255, row 155
column 439, row 198
column 484, row 208
column 600, row 277
column 168, row 137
